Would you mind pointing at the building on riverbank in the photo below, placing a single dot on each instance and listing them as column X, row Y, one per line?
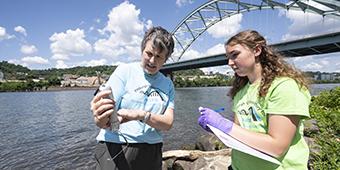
column 324, row 76
column 1, row 76
column 70, row 80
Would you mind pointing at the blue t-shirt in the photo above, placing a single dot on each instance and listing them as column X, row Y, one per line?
column 133, row 88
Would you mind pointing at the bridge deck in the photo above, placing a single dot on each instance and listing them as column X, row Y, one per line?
column 321, row 44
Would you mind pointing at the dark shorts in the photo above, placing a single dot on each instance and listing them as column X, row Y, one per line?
column 135, row 156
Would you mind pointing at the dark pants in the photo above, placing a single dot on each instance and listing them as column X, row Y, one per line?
column 135, row 156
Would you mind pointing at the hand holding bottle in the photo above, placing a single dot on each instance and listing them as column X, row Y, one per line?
column 114, row 122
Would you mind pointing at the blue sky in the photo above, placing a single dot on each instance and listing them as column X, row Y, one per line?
column 41, row 34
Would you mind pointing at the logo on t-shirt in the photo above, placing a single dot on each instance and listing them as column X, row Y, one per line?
column 251, row 115
column 151, row 93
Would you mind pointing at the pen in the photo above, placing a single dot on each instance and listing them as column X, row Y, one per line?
column 219, row 110
column 216, row 110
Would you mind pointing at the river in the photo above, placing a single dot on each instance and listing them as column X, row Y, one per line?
column 55, row 129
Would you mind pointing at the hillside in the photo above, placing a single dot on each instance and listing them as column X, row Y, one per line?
column 18, row 72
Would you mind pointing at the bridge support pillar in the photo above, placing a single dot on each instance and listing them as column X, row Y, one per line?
column 169, row 74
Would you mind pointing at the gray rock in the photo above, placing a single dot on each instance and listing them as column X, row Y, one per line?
column 209, row 142
column 310, row 127
column 196, row 159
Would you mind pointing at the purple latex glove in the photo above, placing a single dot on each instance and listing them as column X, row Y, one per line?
column 209, row 116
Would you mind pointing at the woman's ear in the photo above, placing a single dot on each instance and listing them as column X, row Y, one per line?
column 257, row 50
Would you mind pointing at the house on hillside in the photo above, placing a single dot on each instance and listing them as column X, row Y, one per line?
column 68, row 77
column 1, row 76
column 89, row 81
column 191, row 78
column 69, row 80
column 40, row 79
column 80, row 81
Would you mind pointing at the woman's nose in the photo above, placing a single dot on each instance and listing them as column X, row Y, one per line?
column 152, row 59
column 230, row 62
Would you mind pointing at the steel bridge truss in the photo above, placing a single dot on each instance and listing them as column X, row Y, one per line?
column 214, row 11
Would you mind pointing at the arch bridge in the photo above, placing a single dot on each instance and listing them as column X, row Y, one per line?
column 214, row 11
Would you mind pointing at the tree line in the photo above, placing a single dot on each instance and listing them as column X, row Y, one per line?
column 20, row 78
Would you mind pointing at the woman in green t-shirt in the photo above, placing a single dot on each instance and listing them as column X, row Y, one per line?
column 270, row 101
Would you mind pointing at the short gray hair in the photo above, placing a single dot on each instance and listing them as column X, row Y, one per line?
column 161, row 40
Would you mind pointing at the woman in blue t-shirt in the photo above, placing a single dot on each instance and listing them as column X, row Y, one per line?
column 144, row 100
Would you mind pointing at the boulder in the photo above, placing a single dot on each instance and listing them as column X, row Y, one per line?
column 196, row 159
column 310, row 127
column 209, row 142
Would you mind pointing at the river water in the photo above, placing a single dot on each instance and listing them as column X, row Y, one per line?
column 55, row 129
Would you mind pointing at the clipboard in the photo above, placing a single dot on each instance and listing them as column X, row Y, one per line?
column 236, row 144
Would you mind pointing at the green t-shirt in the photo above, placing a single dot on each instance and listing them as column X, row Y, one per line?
column 284, row 97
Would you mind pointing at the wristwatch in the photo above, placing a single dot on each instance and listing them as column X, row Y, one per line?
column 147, row 116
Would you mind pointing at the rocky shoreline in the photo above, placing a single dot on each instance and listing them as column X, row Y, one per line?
column 210, row 153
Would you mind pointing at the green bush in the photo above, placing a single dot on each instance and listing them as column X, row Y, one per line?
column 23, row 86
column 325, row 108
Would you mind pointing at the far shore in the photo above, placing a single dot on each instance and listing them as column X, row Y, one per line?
column 56, row 88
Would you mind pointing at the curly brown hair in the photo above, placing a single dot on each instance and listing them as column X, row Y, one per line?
column 272, row 63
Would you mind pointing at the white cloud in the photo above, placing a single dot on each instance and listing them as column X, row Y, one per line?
column 125, row 31
column 61, row 64
column 117, row 63
column 28, row 49
column 312, row 66
column 14, row 61
column 34, row 60
column 4, row 35
column 323, row 62
column 149, row 24
column 227, row 27
column 27, row 61
column 181, row 3
column 91, row 28
column 60, row 57
column 299, row 59
column 188, row 55
column 337, row 69
column 3, row 32
column 123, row 21
column 308, row 24
column 94, row 62
column 225, row 69
column 71, row 43
column 193, row 54
column 217, row 49
column 101, row 32
column 21, row 30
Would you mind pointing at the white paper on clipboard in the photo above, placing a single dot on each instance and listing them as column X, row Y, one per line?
column 235, row 144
